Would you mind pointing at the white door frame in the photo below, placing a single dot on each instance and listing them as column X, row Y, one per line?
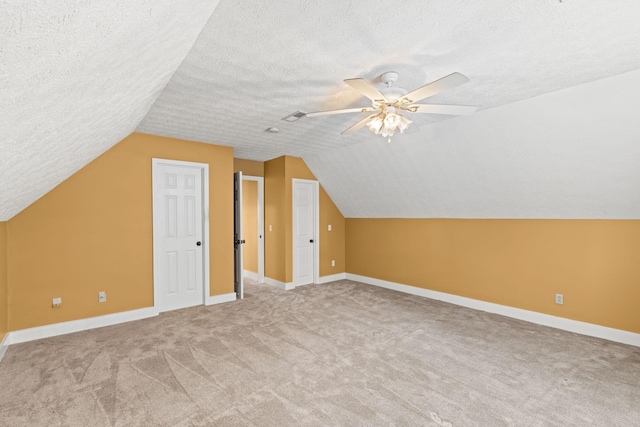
column 238, row 241
column 316, row 227
column 260, row 181
column 155, row 167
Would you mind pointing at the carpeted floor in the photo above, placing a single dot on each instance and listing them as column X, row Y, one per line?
column 342, row 353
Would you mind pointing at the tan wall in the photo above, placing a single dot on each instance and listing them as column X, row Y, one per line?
column 332, row 243
column 248, row 167
column 250, row 225
column 94, row 233
column 518, row 263
column 3, row 280
column 274, row 221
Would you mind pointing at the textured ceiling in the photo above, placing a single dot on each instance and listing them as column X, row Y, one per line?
column 76, row 77
column 573, row 153
column 80, row 76
column 256, row 62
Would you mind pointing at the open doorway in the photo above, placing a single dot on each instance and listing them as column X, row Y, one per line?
column 253, row 227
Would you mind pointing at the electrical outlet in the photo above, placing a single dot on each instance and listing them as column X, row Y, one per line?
column 102, row 296
column 559, row 299
column 333, row 263
column 329, row 227
column 56, row 302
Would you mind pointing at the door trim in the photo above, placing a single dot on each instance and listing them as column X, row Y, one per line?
column 316, row 226
column 204, row 167
column 238, row 251
column 260, row 181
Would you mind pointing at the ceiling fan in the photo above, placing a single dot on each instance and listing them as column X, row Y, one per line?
column 389, row 104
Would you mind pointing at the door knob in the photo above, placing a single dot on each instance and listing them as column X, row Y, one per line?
column 311, row 241
column 199, row 243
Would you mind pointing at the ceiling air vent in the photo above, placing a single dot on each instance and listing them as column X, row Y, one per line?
column 295, row 116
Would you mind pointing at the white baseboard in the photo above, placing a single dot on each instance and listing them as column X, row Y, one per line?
column 331, row 278
column 250, row 275
column 290, row 285
column 301, row 284
column 71, row 326
column 219, row 299
column 576, row 326
column 279, row 284
column 4, row 345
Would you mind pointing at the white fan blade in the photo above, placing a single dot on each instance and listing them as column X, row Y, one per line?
column 366, row 88
column 346, row 110
column 433, row 88
column 358, row 125
column 454, row 110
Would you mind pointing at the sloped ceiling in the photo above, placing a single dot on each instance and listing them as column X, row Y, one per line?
column 562, row 156
column 76, row 77
column 554, row 80
column 573, row 153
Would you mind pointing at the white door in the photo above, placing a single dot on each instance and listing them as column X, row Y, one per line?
column 178, row 231
column 304, row 231
column 238, row 282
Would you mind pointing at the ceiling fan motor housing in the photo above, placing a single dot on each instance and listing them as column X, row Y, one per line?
column 390, row 92
column 393, row 93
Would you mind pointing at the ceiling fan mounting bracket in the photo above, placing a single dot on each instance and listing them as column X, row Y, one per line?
column 389, row 78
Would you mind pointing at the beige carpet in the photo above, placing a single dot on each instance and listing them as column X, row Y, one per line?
column 343, row 353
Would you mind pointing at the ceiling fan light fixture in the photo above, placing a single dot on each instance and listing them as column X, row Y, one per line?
column 387, row 122
column 375, row 124
column 404, row 123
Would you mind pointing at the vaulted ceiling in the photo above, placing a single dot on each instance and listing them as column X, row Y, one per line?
column 557, row 84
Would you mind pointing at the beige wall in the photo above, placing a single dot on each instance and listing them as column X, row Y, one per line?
column 250, row 225
column 3, row 280
column 518, row 263
column 274, row 222
column 279, row 214
column 248, row 167
column 332, row 243
column 93, row 233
